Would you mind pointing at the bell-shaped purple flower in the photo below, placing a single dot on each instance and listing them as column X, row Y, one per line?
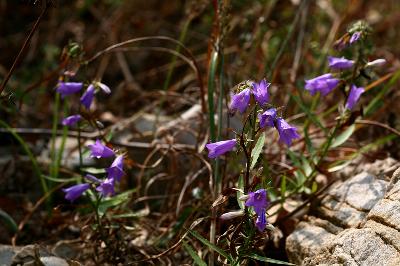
column 115, row 171
column 221, row 147
column 99, row 150
column 71, row 120
column 355, row 37
column 260, row 92
column 354, row 96
column 257, row 200
column 286, row 132
column 67, row 88
column 240, row 101
column 106, row 187
column 87, row 97
column 340, row 63
column 323, row 84
column 267, row 118
column 74, row 192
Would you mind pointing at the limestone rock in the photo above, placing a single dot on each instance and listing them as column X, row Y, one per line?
column 357, row 223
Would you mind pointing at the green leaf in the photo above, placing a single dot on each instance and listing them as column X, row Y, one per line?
column 196, row 258
column 238, row 193
column 114, row 201
column 345, row 135
column 211, row 245
column 255, row 153
column 264, row 259
column 8, row 221
column 93, row 170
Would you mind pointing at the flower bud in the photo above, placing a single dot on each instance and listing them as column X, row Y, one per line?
column 376, row 63
column 231, row 215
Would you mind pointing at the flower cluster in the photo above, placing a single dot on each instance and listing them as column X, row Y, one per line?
column 258, row 200
column 69, row 88
column 104, row 187
column 240, row 102
column 327, row 82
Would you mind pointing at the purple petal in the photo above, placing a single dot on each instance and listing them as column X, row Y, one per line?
column 323, row 84
column 355, row 37
column 260, row 92
column 340, row 63
column 71, row 120
column 74, row 192
column 115, row 171
column 354, row 96
column 267, row 118
column 218, row 148
column 67, row 88
column 87, row 97
column 286, row 132
column 99, row 150
column 240, row 101
column 257, row 200
column 106, row 188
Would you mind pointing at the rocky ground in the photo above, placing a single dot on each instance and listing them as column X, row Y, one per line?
column 356, row 223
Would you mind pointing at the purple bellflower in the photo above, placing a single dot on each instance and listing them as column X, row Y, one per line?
column 218, row 148
column 324, row 84
column 355, row 37
column 340, row 63
column 286, row 132
column 106, row 187
column 74, row 192
column 68, row 88
column 258, row 200
column 87, row 97
column 99, row 150
column 115, row 171
column 240, row 101
column 260, row 92
column 267, row 118
column 354, row 95
column 71, row 120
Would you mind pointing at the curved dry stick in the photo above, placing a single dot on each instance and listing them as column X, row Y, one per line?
column 130, row 41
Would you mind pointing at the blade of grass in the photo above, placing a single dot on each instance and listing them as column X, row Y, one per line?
column 196, row 258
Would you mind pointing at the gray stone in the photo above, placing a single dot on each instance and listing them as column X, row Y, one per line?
column 358, row 223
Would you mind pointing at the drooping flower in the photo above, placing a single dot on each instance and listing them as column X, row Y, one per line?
column 340, row 63
column 377, row 62
column 74, row 192
column 324, row 84
column 87, row 97
column 355, row 37
column 257, row 200
column 68, row 88
column 354, row 95
column 267, row 118
column 240, row 101
column 286, row 132
column 260, row 92
column 99, row 150
column 115, row 171
column 71, row 120
column 106, row 187
column 218, row 148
